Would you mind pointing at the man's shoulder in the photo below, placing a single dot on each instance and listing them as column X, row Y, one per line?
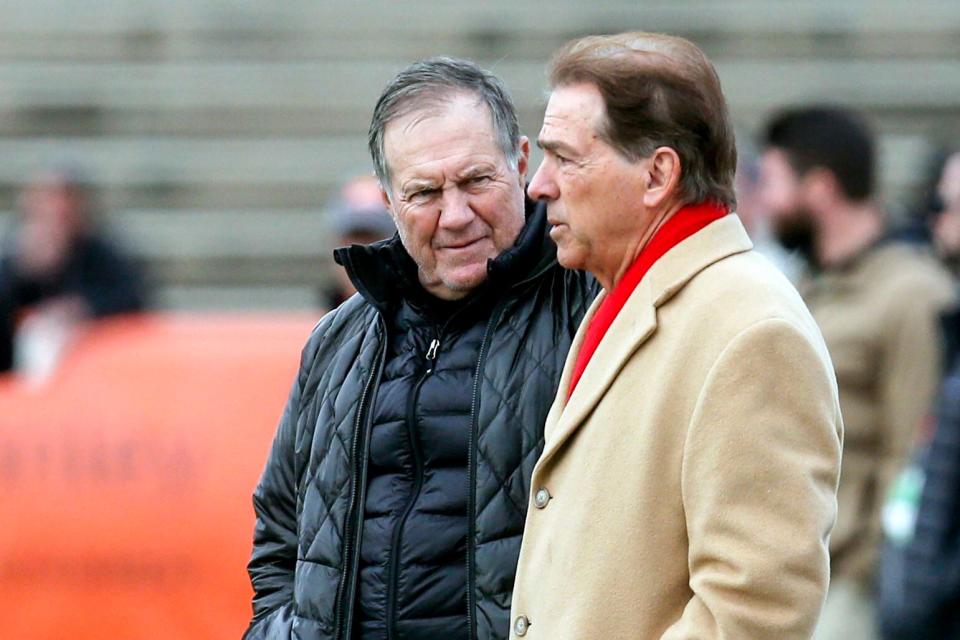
column 900, row 278
column 749, row 283
column 355, row 316
column 742, row 291
column 554, row 290
column 899, row 267
column 572, row 283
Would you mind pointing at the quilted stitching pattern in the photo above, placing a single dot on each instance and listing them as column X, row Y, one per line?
column 523, row 365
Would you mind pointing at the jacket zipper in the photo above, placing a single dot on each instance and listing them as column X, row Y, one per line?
column 472, row 476
column 344, row 619
column 346, row 594
column 394, row 578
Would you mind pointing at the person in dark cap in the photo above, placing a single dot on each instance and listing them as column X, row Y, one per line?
column 357, row 216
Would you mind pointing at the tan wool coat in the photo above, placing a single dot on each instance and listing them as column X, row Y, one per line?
column 688, row 488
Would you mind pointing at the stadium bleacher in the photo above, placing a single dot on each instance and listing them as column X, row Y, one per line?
column 216, row 131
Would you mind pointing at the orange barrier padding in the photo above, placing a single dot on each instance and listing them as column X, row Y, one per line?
column 126, row 479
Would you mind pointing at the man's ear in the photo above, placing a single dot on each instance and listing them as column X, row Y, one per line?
column 662, row 176
column 386, row 199
column 821, row 189
column 523, row 161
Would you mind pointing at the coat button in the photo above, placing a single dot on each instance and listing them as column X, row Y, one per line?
column 520, row 625
column 541, row 498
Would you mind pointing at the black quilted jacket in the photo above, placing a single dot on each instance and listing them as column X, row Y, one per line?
column 412, row 583
column 309, row 502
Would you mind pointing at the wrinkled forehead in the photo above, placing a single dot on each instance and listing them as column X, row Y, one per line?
column 459, row 129
column 437, row 110
column 574, row 112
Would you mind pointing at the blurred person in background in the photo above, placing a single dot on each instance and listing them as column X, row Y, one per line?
column 755, row 218
column 921, row 563
column 59, row 269
column 878, row 303
column 393, row 499
column 357, row 216
column 946, row 220
column 921, row 588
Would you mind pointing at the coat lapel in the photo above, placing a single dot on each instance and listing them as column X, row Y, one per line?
column 635, row 325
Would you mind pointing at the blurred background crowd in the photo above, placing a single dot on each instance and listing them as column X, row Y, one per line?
column 199, row 160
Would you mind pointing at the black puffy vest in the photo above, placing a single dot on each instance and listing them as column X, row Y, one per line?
column 413, row 583
column 339, row 467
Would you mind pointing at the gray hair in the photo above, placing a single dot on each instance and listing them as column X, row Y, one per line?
column 431, row 82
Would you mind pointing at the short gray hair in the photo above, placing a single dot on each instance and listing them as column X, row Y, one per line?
column 431, row 82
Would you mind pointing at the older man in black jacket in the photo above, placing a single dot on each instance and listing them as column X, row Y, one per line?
column 393, row 500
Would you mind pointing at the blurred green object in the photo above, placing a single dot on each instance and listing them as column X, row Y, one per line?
column 903, row 502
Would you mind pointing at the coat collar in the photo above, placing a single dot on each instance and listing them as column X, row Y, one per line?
column 637, row 322
column 384, row 273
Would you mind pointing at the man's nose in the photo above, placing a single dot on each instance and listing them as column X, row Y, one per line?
column 542, row 186
column 455, row 211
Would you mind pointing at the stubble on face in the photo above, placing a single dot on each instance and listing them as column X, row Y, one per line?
column 781, row 195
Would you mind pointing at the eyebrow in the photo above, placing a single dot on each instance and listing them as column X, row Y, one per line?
column 556, row 145
column 474, row 171
column 417, row 184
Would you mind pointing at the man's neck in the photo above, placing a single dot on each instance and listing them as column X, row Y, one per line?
column 847, row 232
column 636, row 246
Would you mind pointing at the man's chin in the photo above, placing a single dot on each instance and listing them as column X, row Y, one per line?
column 568, row 257
column 452, row 284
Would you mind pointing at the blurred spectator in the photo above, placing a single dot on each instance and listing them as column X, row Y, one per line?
column 358, row 216
column 58, row 269
column 946, row 222
column 755, row 218
column 918, row 216
column 877, row 302
column 920, row 589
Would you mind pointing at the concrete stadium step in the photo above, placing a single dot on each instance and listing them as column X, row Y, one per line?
column 174, row 170
column 192, row 235
column 236, row 298
column 354, row 85
column 418, row 16
column 149, row 160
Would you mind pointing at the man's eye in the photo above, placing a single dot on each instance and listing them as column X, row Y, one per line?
column 421, row 196
column 479, row 179
column 559, row 158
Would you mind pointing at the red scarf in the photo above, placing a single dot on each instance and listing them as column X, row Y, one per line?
column 683, row 224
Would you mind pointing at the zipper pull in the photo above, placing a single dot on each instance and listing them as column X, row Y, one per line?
column 432, row 351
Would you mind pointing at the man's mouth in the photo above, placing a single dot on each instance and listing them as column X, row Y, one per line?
column 461, row 245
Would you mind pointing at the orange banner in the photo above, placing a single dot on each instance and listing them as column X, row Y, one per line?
column 126, row 478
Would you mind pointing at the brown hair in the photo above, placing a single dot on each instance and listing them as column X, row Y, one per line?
column 658, row 90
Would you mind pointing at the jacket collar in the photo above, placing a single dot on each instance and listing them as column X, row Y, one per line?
column 384, row 273
column 637, row 321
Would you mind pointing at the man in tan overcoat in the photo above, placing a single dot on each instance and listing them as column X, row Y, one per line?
column 687, row 486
